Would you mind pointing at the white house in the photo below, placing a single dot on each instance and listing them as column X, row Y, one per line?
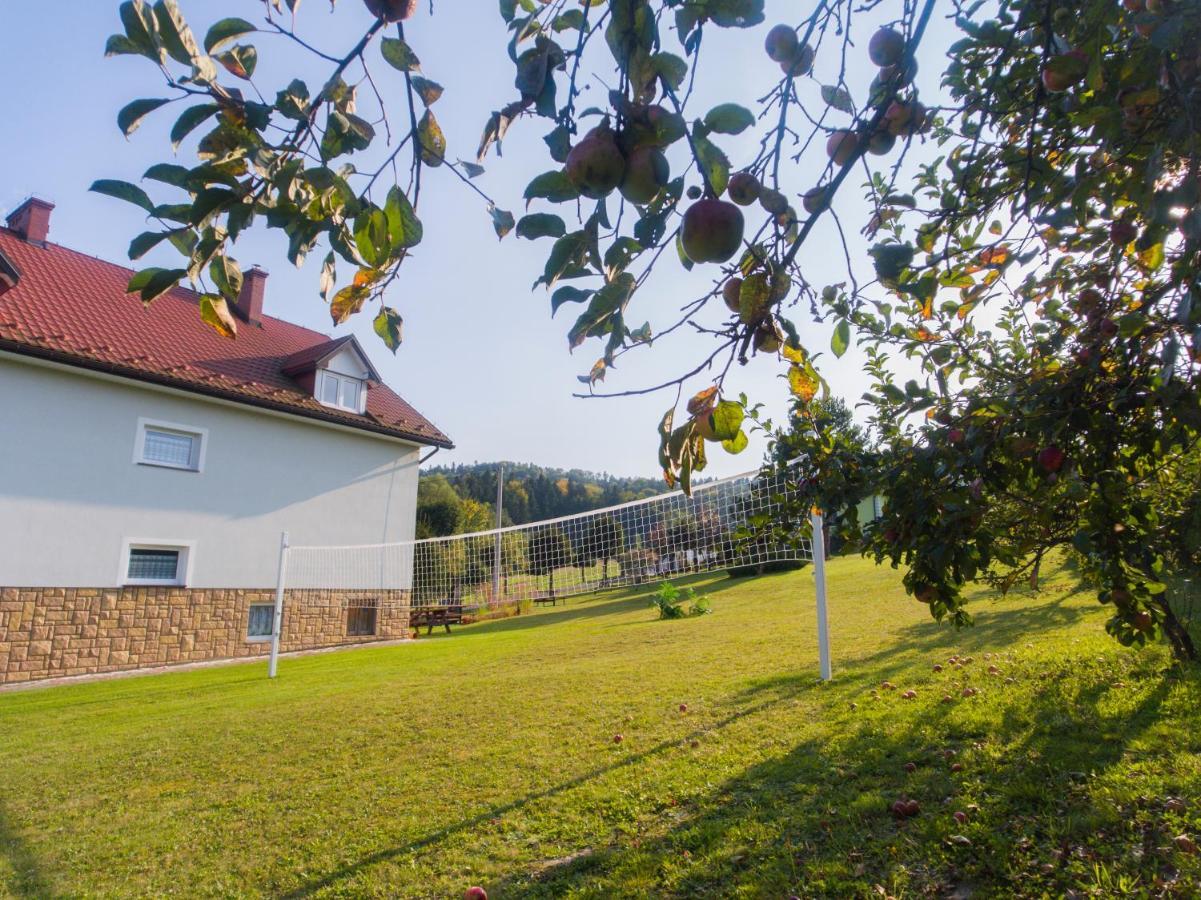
column 148, row 466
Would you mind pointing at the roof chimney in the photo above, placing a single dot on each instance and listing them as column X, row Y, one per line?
column 249, row 307
column 31, row 220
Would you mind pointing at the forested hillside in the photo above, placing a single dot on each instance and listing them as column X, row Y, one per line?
column 532, row 493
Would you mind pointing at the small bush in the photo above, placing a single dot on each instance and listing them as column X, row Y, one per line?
column 670, row 600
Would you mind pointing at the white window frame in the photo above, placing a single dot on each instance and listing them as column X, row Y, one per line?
column 183, row 571
column 201, row 436
column 324, row 375
column 258, row 638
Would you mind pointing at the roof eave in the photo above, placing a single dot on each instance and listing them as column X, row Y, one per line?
column 95, row 365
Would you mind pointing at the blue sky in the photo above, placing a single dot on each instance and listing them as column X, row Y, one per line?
column 482, row 357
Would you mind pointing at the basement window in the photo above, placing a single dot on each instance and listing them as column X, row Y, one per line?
column 361, row 620
column 259, row 621
column 155, row 564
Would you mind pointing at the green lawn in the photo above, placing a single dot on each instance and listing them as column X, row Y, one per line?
column 489, row 757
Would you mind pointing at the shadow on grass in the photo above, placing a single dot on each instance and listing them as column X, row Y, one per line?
column 592, row 606
column 814, row 821
column 381, row 856
column 808, row 763
column 26, row 878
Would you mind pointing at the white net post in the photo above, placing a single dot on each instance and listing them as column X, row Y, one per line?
column 819, row 579
column 278, row 616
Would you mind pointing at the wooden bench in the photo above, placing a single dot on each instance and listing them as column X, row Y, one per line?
column 548, row 597
column 438, row 614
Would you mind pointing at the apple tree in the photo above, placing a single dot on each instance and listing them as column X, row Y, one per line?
column 1022, row 275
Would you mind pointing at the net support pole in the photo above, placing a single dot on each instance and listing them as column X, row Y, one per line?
column 819, row 578
column 278, row 618
column 496, row 557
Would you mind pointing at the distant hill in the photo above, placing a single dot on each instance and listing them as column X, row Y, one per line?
column 534, row 493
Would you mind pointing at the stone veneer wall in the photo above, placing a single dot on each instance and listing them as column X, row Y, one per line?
column 55, row 632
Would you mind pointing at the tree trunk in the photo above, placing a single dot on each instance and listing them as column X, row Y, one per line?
column 1179, row 639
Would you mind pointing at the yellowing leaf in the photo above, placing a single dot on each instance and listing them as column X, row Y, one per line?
column 214, row 312
column 802, row 383
column 703, row 401
column 433, row 141
column 994, row 256
column 347, row 302
column 794, row 354
column 366, row 277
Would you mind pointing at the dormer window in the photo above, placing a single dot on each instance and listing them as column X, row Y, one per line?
column 337, row 374
column 340, row 391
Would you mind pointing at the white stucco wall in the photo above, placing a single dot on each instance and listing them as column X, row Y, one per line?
column 71, row 495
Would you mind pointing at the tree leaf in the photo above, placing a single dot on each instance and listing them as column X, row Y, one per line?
column 400, row 55
column 154, row 282
column 176, row 36
column 567, row 294
column 145, row 242
column 240, row 62
column 838, row 98
column 433, row 141
column 131, row 115
column 729, row 118
column 554, row 186
column 188, row 120
column 387, row 325
column 538, row 225
column 703, row 401
column 714, row 162
column 803, row 382
column 351, row 298
column 214, row 312
column 123, row 190
column 671, row 69
column 428, row 91
column 502, row 220
column 225, row 31
column 841, row 339
column 404, row 228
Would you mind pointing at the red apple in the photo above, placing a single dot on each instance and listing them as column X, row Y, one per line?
column 1065, row 70
column 475, row 893
column 683, row 707
column 910, row 767
column 1122, row 232
column 617, row 739
column 841, row 146
column 1050, row 458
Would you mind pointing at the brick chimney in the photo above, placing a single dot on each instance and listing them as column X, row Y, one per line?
column 31, row 220
column 249, row 307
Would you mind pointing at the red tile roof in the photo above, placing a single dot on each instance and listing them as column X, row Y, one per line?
column 72, row 308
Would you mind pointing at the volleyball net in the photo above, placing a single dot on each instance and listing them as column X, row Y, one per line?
column 740, row 522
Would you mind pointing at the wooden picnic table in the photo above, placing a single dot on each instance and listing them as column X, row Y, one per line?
column 444, row 614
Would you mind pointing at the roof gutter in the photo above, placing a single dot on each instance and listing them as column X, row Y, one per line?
column 137, row 375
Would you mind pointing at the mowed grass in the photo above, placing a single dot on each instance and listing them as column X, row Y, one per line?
column 488, row 757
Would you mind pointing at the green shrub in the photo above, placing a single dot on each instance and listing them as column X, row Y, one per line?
column 670, row 600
